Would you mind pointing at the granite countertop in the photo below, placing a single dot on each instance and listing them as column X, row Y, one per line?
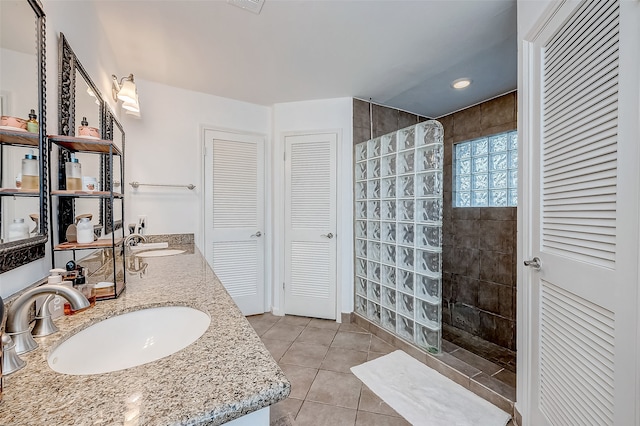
column 225, row 374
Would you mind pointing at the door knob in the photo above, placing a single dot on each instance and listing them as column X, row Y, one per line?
column 257, row 234
column 535, row 263
column 329, row 235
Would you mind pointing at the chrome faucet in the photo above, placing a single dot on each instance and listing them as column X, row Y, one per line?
column 18, row 317
column 134, row 239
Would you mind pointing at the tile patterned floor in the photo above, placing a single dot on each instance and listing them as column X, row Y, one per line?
column 316, row 356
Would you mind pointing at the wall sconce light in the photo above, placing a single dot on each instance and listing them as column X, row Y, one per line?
column 126, row 91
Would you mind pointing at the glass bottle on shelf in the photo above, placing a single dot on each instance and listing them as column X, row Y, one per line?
column 73, row 173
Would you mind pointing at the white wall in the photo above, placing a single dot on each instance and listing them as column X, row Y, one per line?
column 317, row 115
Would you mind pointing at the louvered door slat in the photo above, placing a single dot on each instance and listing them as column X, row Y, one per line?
column 310, row 195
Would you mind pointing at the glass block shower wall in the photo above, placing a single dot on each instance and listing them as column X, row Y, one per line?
column 398, row 237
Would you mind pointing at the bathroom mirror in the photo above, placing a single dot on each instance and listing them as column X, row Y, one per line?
column 112, row 172
column 23, row 197
column 80, row 101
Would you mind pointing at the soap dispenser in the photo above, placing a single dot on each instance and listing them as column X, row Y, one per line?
column 30, row 171
column 73, row 173
column 84, row 231
column 32, row 124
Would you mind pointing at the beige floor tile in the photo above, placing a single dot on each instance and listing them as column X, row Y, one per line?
column 288, row 407
column 352, row 327
column 365, row 418
column 319, row 336
column 300, row 378
column 281, row 331
column 373, row 355
column 380, row 346
column 305, row 354
column 277, row 348
column 314, row 414
column 350, row 340
column 266, row 317
column 295, row 320
column 341, row 360
column 370, row 402
column 340, row 389
column 261, row 327
column 324, row 323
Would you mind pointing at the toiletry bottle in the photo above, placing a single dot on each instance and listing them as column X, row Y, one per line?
column 73, row 173
column 30, row 171
column 18, row 230
column 84, row 231
column 32, row 124
column 88, row 290
column 56, row 307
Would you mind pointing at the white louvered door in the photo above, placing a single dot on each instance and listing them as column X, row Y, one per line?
column 234, row 215
column 310, row 225
column 583, row 298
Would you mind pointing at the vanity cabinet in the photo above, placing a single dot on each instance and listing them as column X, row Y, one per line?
column 107, row 264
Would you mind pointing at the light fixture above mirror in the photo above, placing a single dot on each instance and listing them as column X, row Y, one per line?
column 125, row 90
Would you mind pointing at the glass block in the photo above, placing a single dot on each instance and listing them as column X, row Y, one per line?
column 513, row 160
column 513, row 179
column 406, row 210
column 406, row 234
column 405, row 304
column 373, row 312
column 388, row 319
column 373, row 291
column 407, row 138
column 373, row 147
column 463, row 183
column 361, row 170
column 480, row 182
column 361, row 248
column 388, row 210
column 388, row 165
column 498, row 197
column 480, row 199
column 513, row 140
column 388, row 254
column 463, row 167
column 480, row 147
column 361, row 229
column 429, row 262
column 361, row 286
column 498, row 180
column 361, row 305
column 361, row 209
column 463, row 199
column 373, row 210
column 373, row 168
column 388, row 143
column 428, row 313
column 429, row 210
column 373, row 271
column 429, row 236
column 405, row 186
column 388, row 187
column 405, row 257
column 388, row 298
column 463, row 150
column 388, row 232
column 361, row 267
column 389, row 276
column 361, row 151
column 373, row 230
column 404, row 327
column 498, row 143
column 405, row 281
column 373, row 250
column 429, row 132
column 498, row 161
column 429, row 288
column 373, row 189
column 430, row 158
column 428, row 339
column 361, row 190
column 513, row 197
column 480, row 164
column 406, row 162
column 429, row 184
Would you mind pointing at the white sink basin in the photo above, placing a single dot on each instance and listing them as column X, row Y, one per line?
column 159, row 253
column 129, row 340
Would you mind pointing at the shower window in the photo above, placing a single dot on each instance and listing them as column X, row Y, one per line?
column 486, row 171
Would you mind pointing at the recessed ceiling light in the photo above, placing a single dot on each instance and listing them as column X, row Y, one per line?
column 254, row 6
column 461, row 83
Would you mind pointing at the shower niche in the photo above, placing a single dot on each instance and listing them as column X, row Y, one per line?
column 398, row 235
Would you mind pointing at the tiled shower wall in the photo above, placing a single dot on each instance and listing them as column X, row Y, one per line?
column 479, row 243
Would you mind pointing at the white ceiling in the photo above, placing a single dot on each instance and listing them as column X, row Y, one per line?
column 402, row 54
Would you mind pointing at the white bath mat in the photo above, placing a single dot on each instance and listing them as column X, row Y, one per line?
column 425, row 397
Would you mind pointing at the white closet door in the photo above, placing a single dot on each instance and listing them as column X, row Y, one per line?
column 584, row 296
column 234, row 215
column 310, row 224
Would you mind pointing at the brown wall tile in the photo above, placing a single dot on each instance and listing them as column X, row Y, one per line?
column 496, row 235
column 496, row 299
column 495, row 267
column 499, row 111
column 468, row 123
column 385, row 120
column 360, row 134
column 406, row 119
column 361, row 114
